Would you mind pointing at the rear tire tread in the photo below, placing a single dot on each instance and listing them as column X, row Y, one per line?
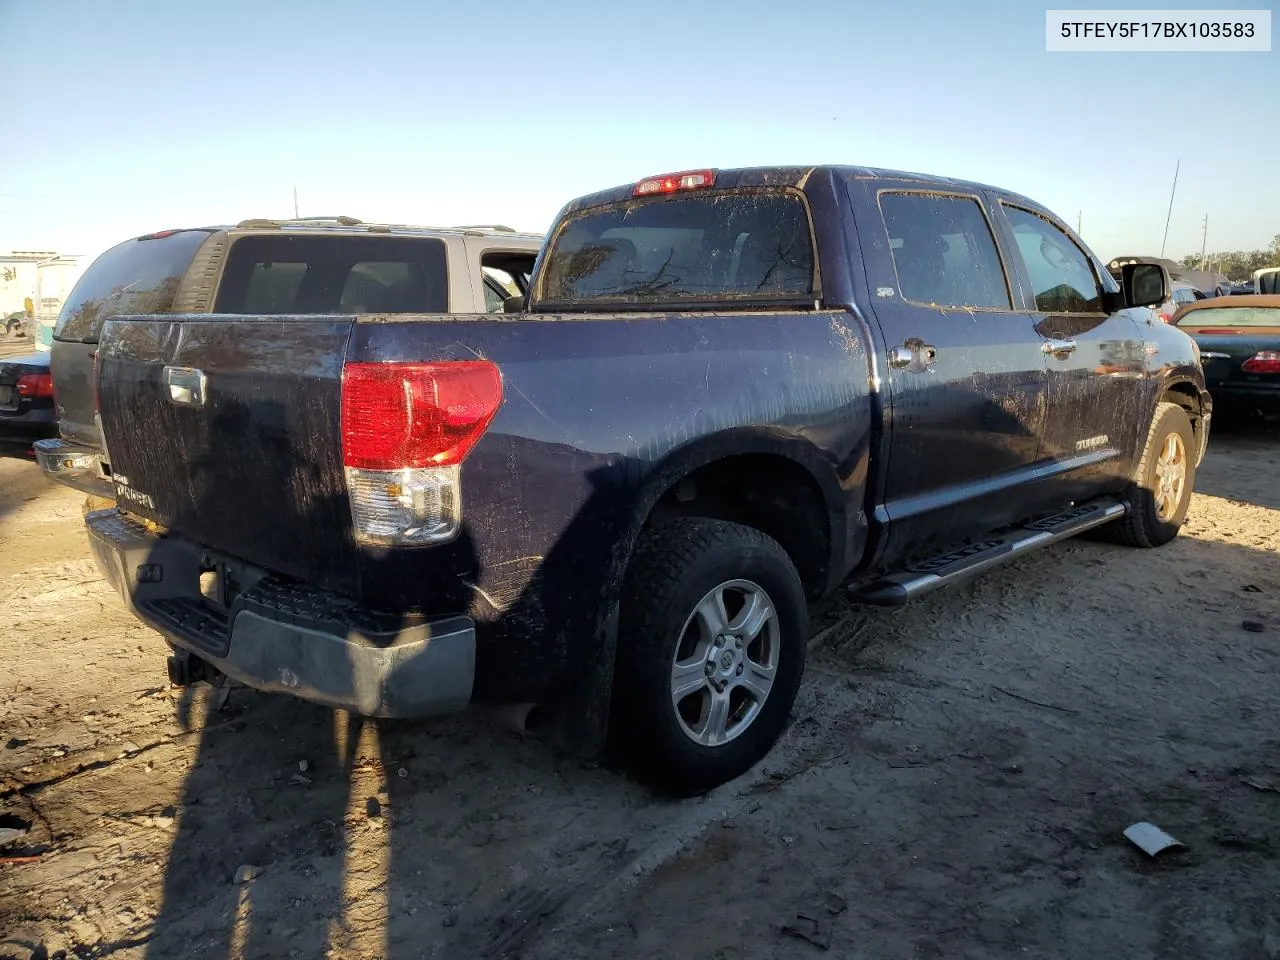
column 664, row 558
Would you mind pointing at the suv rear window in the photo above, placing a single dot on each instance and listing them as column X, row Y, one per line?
column 135, row 277
column 286, row 274
column 713, row 247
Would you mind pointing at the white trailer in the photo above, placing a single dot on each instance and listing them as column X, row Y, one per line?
column 54, row 279
column 18, row 283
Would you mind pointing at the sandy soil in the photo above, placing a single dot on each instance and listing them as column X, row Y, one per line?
column 954, row 784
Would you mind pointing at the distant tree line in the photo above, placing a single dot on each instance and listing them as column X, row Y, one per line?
column 1238, row 265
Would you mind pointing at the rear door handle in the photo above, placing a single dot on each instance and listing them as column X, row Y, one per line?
column 1059, row 348
column 914, row 355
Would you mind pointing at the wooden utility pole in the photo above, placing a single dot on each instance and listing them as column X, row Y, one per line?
column 1204, row 240
column 295, row 203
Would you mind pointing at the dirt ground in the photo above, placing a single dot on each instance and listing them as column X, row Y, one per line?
column 954, row 784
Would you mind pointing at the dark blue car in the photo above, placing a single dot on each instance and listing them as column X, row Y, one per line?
column 26, row 404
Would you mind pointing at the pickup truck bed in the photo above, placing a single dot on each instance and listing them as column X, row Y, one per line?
column 732, row 392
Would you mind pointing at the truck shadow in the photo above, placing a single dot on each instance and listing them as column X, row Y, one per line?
column 293, row 834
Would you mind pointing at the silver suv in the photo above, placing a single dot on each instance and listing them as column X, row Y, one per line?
column 310, row 266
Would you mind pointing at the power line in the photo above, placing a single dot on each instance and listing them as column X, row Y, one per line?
column 1167, row 219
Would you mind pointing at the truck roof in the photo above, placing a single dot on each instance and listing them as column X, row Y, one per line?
column 351, row 226
column 796, row 177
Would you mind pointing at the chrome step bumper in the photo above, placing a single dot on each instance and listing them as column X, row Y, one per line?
column 75, row 465
column 283, row 636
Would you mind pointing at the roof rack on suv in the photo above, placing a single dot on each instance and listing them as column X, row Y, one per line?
column 266, row 222
column 486, row 226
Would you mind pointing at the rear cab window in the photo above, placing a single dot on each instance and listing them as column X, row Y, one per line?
column 292, row 274
column 138, row 276
column 752, row 247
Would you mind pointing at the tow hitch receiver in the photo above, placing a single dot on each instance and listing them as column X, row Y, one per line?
column 186, row 669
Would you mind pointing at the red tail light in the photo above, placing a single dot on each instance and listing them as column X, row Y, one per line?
column 35, row 385
column 402, row 415
column 1267, row 361
column 675, row 182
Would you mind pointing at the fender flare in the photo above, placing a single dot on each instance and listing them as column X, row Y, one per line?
column 592, row 712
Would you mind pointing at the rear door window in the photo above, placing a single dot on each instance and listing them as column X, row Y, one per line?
column 498, row 285
column 943, row 251
column 720, row 247
column 138, row 276
column 291, row 274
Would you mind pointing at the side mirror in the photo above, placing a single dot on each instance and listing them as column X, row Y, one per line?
column 515, row 304
column 1145, row 284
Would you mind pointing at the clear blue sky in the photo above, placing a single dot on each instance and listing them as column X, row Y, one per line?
column 127, row 117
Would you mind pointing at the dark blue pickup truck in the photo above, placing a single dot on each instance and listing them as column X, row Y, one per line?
column 729, row 392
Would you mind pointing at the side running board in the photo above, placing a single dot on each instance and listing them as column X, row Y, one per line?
column 958, row 565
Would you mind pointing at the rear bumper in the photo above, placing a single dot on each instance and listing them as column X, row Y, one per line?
column 1263, row 395
column 74, row 465
column 282, row 636
column 20, row 432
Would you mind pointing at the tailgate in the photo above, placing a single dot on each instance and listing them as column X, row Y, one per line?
column 227, row 430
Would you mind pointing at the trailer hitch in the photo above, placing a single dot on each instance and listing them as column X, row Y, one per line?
column 186, row 669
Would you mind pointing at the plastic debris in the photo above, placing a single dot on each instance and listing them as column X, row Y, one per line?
column 1150, row 839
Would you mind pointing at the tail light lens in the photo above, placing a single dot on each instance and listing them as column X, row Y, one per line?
column 1266, row 361
column 35, row 385
column 675, row 182
column 406, row 428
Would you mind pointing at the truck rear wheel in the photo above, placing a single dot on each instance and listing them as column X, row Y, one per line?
column 1161, row 491
column 711, row 649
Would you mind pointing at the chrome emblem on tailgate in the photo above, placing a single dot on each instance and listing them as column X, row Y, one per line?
column 186, row 386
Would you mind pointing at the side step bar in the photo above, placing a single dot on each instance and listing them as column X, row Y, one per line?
column 924, row 577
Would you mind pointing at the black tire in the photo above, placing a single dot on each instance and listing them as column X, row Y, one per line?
column 676, row 564
column 1143, row 526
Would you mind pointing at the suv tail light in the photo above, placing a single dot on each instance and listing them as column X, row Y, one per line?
column 1266, row 361
column 406, row 428
column 35, row 385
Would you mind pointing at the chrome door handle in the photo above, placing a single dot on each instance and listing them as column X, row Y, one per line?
column 914, row 355
column 1058, row 348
